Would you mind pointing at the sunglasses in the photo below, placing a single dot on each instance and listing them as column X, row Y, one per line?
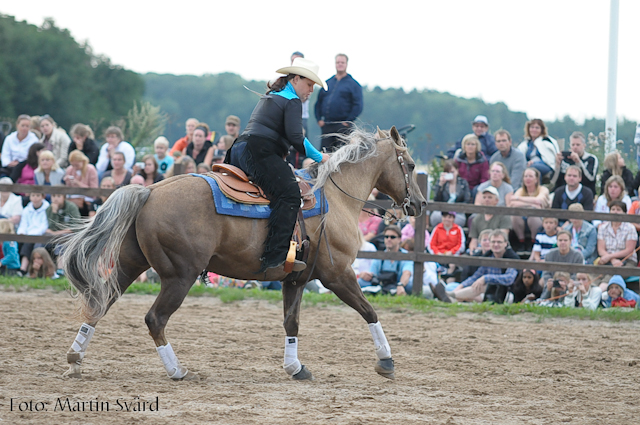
column 390, row 237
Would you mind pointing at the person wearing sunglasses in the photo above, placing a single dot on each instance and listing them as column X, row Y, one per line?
column 388, row 276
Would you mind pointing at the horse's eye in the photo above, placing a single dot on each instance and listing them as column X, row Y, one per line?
column 412, row 167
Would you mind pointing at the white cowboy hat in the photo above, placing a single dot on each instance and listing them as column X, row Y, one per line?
column 305, row 68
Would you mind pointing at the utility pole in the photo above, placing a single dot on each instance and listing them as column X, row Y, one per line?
column 611, row 121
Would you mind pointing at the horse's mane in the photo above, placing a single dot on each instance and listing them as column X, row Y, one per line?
column 360, row 146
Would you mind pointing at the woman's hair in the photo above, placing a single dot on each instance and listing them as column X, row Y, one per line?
column 6, row 226
column 23, row 117
column 543, row 128
column 565, row 275
column 618, row 204
column 202, row 128
column 114, row 130
column 155, row 166
column 77, row 155
column 448, row 165
column 505, row 172
column 47, row 154
column 280, row 83
column 118, row 153
column 524, row 188
column 611, row 163
column 32, row 155
column 204, row 167
column 471, row 138
column 618, row 180
column 82, row 130
column 48, row 268
column 47, row 117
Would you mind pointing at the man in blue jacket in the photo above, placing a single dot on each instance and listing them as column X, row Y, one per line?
column 480, row 127
column 340, row 105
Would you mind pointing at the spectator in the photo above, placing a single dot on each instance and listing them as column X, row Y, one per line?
column 498, row 178
column 10, row 204
column 48, row 172
column 472, row 164
column 34, row 223
column 573, row 191
column 106, row 183
column 55, row 139
column 187, row 164
column 161, row 146
column 368, row 223
column 200, row 149
column 80, row 173
column 447, row 239
column 539, row 148
column 409, row 232
column 224, row 143
column 578, row 155
column 634, row 210
column 391, row 275
column 564, row 253
column 41, row 265
column 613, row 191
column 10, row 262
column 488, row 221
column 16, row 145
column 121, row 176
column 114, row 144
column 84, row 140
column 554, row 289
column 546, row 239
column 182, row 143
column 582, row 293
column 616, row 243
column 338, row 105
column 137, row 179
column 364, row 264
column 150, row 171
column 618, row 295
column 530, row 195
column 203, row 168
column 584, row 236
column 232, row 127
column 24, row 172
column 512, row 159
column 474, row 287
column 483, row 247
column 526, row 287
column 61, row 214
column 34, row 125
column 614, row 165
column 480, row 127
column 451, row 188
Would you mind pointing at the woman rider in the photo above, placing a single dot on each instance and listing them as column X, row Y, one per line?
column 274, row 126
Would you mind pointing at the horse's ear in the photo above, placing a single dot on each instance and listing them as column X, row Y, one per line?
column 381, row 133
column 395, row 135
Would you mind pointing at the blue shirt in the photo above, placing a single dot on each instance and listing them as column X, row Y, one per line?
column 392, row 266
column 11, row 259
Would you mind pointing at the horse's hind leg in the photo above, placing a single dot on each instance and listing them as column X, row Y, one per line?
column 347, row 289
column 291, row 297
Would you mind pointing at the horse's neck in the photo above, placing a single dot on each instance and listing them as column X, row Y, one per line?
column 358, row 180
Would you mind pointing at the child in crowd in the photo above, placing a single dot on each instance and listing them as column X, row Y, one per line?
column 161, row 146
column 10, row 262
column 203, row 168
column 618, row 295
column 552, row 296
column 61, row 214
column 106, row 183
column 34, row 222
column 526, row 287
column 546, row 239
column 582, row 293
column 41, row 265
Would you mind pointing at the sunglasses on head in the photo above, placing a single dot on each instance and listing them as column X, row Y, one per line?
column 390, row 237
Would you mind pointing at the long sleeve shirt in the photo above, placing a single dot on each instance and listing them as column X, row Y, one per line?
column 495, row 275
column 34, row 221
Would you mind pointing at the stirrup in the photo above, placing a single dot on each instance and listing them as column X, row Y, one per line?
column 291, row 264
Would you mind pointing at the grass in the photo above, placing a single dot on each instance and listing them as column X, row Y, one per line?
column 397, row 304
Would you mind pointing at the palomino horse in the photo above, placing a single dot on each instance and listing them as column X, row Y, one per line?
column 173, row 227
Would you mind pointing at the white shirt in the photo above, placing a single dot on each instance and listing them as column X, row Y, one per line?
column 34, row 222
column 14, row 149
column 124, row 147
column 364, row 264
column 12, row 207
column 572, row 193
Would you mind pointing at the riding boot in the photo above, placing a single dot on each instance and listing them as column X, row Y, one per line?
column 281, row 225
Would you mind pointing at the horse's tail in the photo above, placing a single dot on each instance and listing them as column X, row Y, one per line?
column 90, row 257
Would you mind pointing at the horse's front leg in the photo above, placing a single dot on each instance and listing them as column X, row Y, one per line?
column 291, row 298
column 346, row 287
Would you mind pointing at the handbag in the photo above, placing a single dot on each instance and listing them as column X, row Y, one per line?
column 387, row 280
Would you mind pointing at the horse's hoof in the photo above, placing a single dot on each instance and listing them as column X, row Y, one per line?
column 190, row 376
column 73, row 372
column 303, row 375
column 385, row 368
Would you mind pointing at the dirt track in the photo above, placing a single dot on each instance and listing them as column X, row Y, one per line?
column 468, row 369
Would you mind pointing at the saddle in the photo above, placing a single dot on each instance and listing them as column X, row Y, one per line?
column 235, row 185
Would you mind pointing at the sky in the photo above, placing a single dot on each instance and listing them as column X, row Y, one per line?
column 547, row 58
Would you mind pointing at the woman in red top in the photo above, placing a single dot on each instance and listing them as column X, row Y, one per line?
column 447, row 237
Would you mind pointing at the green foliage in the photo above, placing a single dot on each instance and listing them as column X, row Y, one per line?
column 44, row 70
column 144, row 123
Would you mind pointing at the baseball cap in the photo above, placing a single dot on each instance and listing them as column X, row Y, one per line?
column 233, row 120
column 492, row 190
column 482, row 119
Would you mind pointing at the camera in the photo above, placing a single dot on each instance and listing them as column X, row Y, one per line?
column 566, row 154
column 556, row 284
column 448, row 176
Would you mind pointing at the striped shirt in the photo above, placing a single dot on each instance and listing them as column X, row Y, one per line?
column 544, row 243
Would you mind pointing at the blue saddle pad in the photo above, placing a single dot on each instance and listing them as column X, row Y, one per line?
column 227, row 206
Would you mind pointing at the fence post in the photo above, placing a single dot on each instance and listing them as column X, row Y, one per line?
column 419, row 242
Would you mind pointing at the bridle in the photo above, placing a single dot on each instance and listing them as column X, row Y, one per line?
column 405, row 203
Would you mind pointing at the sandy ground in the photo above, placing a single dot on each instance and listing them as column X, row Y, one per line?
column 467, row 369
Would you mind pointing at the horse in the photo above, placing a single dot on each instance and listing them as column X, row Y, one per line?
column 172, row 227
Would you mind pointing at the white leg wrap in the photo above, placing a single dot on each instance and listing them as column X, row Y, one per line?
column 291, row 363
column 173, row 367
column 383, row 350
column 80, row 344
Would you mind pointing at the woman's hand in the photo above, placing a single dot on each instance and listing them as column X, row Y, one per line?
column 549, row 284
column 615, row 262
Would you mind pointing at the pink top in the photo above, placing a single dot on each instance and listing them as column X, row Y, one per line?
column 90, row 177
column 28, row 175
column 409, row 232
column 370, row 225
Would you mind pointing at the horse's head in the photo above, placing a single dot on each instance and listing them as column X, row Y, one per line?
column 397, row 178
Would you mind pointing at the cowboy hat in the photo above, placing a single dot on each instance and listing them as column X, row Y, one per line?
column 304, row 68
